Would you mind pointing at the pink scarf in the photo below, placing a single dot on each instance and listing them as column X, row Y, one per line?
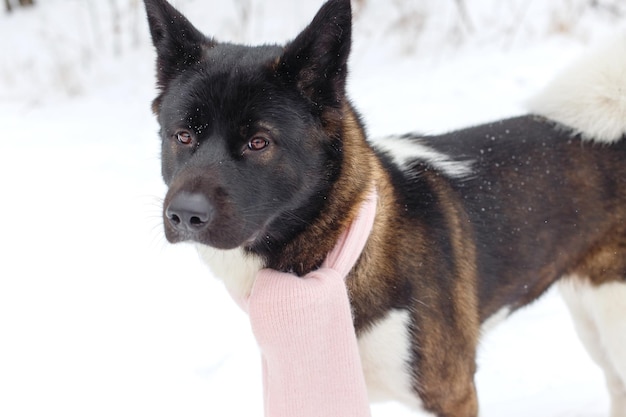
column 304, row 328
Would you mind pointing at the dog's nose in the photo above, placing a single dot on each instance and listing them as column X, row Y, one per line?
column 189, row 212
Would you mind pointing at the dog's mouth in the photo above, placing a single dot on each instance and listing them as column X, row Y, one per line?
column 215, row 237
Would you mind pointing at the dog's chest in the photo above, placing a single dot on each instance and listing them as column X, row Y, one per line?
column 235, row 267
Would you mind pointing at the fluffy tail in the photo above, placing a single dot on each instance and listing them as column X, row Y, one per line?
column 590, row 95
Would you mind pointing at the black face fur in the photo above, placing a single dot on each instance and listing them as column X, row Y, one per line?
column 245, row 130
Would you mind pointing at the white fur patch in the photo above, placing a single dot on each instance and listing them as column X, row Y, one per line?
column 235, row 267
column 590, row 95
column 405, row 150
column 493, row 321
column 599, row 314
column 386, row 355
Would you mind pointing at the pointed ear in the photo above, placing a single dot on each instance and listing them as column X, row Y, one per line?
column 316, row 61
column 178, row 43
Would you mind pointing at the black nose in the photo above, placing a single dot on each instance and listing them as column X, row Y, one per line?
column 189, row 212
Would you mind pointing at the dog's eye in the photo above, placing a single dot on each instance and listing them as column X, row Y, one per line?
column 257, row 143
column 184, row 138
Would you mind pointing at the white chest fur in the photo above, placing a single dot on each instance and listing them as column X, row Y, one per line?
column 235, row 267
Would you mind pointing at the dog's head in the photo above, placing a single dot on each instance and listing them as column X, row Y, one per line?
column 251, row 136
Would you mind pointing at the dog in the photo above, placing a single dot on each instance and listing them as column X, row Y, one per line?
column 267, row 162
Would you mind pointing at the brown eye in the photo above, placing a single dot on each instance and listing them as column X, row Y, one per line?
column 184, row 138
column 257, row 143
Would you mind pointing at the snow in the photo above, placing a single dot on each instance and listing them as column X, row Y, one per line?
column 99, row 316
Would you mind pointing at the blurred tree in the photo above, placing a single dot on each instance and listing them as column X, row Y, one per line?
column 462, row 8
column 8, row 6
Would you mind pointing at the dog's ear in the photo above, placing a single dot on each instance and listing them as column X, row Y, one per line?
column 316, row 61
column 178, row 43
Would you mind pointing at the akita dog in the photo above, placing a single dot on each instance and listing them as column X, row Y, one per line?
column 267, row 163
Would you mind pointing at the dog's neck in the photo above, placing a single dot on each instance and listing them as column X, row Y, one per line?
column 238, row 268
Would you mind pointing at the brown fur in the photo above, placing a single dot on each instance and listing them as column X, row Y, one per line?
column 445, row 344
column 605, row 262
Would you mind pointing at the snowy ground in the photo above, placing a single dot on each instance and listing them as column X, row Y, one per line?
column 99, row 316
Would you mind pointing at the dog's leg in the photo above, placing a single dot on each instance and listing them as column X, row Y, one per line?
column 599, row 314
column 609, row 311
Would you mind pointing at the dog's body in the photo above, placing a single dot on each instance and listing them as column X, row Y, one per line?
column 267, row 163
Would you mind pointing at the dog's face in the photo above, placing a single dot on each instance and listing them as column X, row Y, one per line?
column 250, row 135
column 230, row 137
